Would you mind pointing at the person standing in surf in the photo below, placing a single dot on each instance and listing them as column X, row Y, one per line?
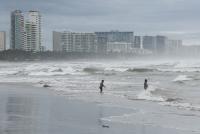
column 101, row 86
column 145, row 84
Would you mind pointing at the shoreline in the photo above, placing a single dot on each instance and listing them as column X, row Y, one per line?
column 27, row 109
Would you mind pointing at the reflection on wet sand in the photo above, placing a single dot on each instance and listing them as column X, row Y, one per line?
column 20, row 115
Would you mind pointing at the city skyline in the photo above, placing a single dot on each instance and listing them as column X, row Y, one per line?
column 164, row 17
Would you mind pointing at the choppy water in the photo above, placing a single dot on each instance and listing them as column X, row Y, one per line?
column 173, row 86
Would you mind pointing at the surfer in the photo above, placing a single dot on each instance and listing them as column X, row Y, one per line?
column 101, row 86
column 145, row 84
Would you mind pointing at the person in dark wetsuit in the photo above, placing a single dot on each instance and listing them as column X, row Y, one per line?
column 101, row 86
column 145, row 84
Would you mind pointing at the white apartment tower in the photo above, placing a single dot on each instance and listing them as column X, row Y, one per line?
column 33, row 31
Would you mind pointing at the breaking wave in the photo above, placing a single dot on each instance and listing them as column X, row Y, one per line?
column 91, row 69
column 141, row 70
column 182, row 105
column 182, row 78
column 149, row 95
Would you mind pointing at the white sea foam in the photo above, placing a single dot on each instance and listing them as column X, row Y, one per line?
column 117, row 69
column 8, row 72
column 182, row 78
column 149, row 95
column 182, row 105
column 181, row 122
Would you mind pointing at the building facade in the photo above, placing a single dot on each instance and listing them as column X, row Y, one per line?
column 137, row 42
column 18, row 35
column 57, row 44
column 149, row 43
column 119, row 47
column 26, row 32
column 161, row 44
column 33, row 31
column 74, row 42
column 2, row 40
column 156, row 44
column 105, row 38
column 174, row 47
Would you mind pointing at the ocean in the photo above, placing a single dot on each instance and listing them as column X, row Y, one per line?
column 171, row 101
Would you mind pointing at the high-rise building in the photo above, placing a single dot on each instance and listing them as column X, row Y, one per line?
column 117, row 36
column 84, row 42
column 33, row 31
column 103, row 38
column 161, row 44
column 149, row 43
column 57, row 42
column 2, row 41
column 102, row 42
column 174, row 46
column 74, row 42
column 17, row 39
column 26, row 35
column 137, row 42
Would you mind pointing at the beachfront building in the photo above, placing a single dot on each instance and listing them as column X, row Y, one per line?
column 2, row 40
column 33, row 31
column 119, row 47
column 156, row 44
column 25, row 35
column 149, row 43
column 105, row 38
column 137, row 42
column 74, row 42
column 161, row 44
column 57, row 42
column 174, row 47
column 17, row 35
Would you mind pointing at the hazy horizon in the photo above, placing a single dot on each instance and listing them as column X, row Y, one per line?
column 173, row 18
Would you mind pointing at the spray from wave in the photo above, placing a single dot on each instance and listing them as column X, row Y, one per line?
column 149, row 95
column 141, row 70
column 182, row 78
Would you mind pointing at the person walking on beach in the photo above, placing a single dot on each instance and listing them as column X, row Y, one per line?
column 101, row 86
column 145, row 84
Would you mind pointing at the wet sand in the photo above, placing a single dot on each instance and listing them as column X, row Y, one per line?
column 30, row 110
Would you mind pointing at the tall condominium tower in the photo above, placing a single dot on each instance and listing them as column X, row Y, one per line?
column 17, row 37
column 33, row 31
column 2, row 41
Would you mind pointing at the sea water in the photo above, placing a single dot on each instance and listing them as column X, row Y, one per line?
column 172, row 99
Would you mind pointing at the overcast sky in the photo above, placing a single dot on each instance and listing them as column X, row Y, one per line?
column 175, row 18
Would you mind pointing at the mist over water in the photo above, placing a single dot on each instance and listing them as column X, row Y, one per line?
column 173, row 84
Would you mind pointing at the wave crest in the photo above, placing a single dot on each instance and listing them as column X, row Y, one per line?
column 182, row 78
column 91, row 70
column 149, row 95
column 140, row 70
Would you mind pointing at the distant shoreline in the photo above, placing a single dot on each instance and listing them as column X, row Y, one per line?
column 19, row 55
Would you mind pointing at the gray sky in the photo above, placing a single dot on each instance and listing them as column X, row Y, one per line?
column 174, row 18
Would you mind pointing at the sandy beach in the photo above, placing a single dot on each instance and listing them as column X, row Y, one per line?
column 31, row 110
